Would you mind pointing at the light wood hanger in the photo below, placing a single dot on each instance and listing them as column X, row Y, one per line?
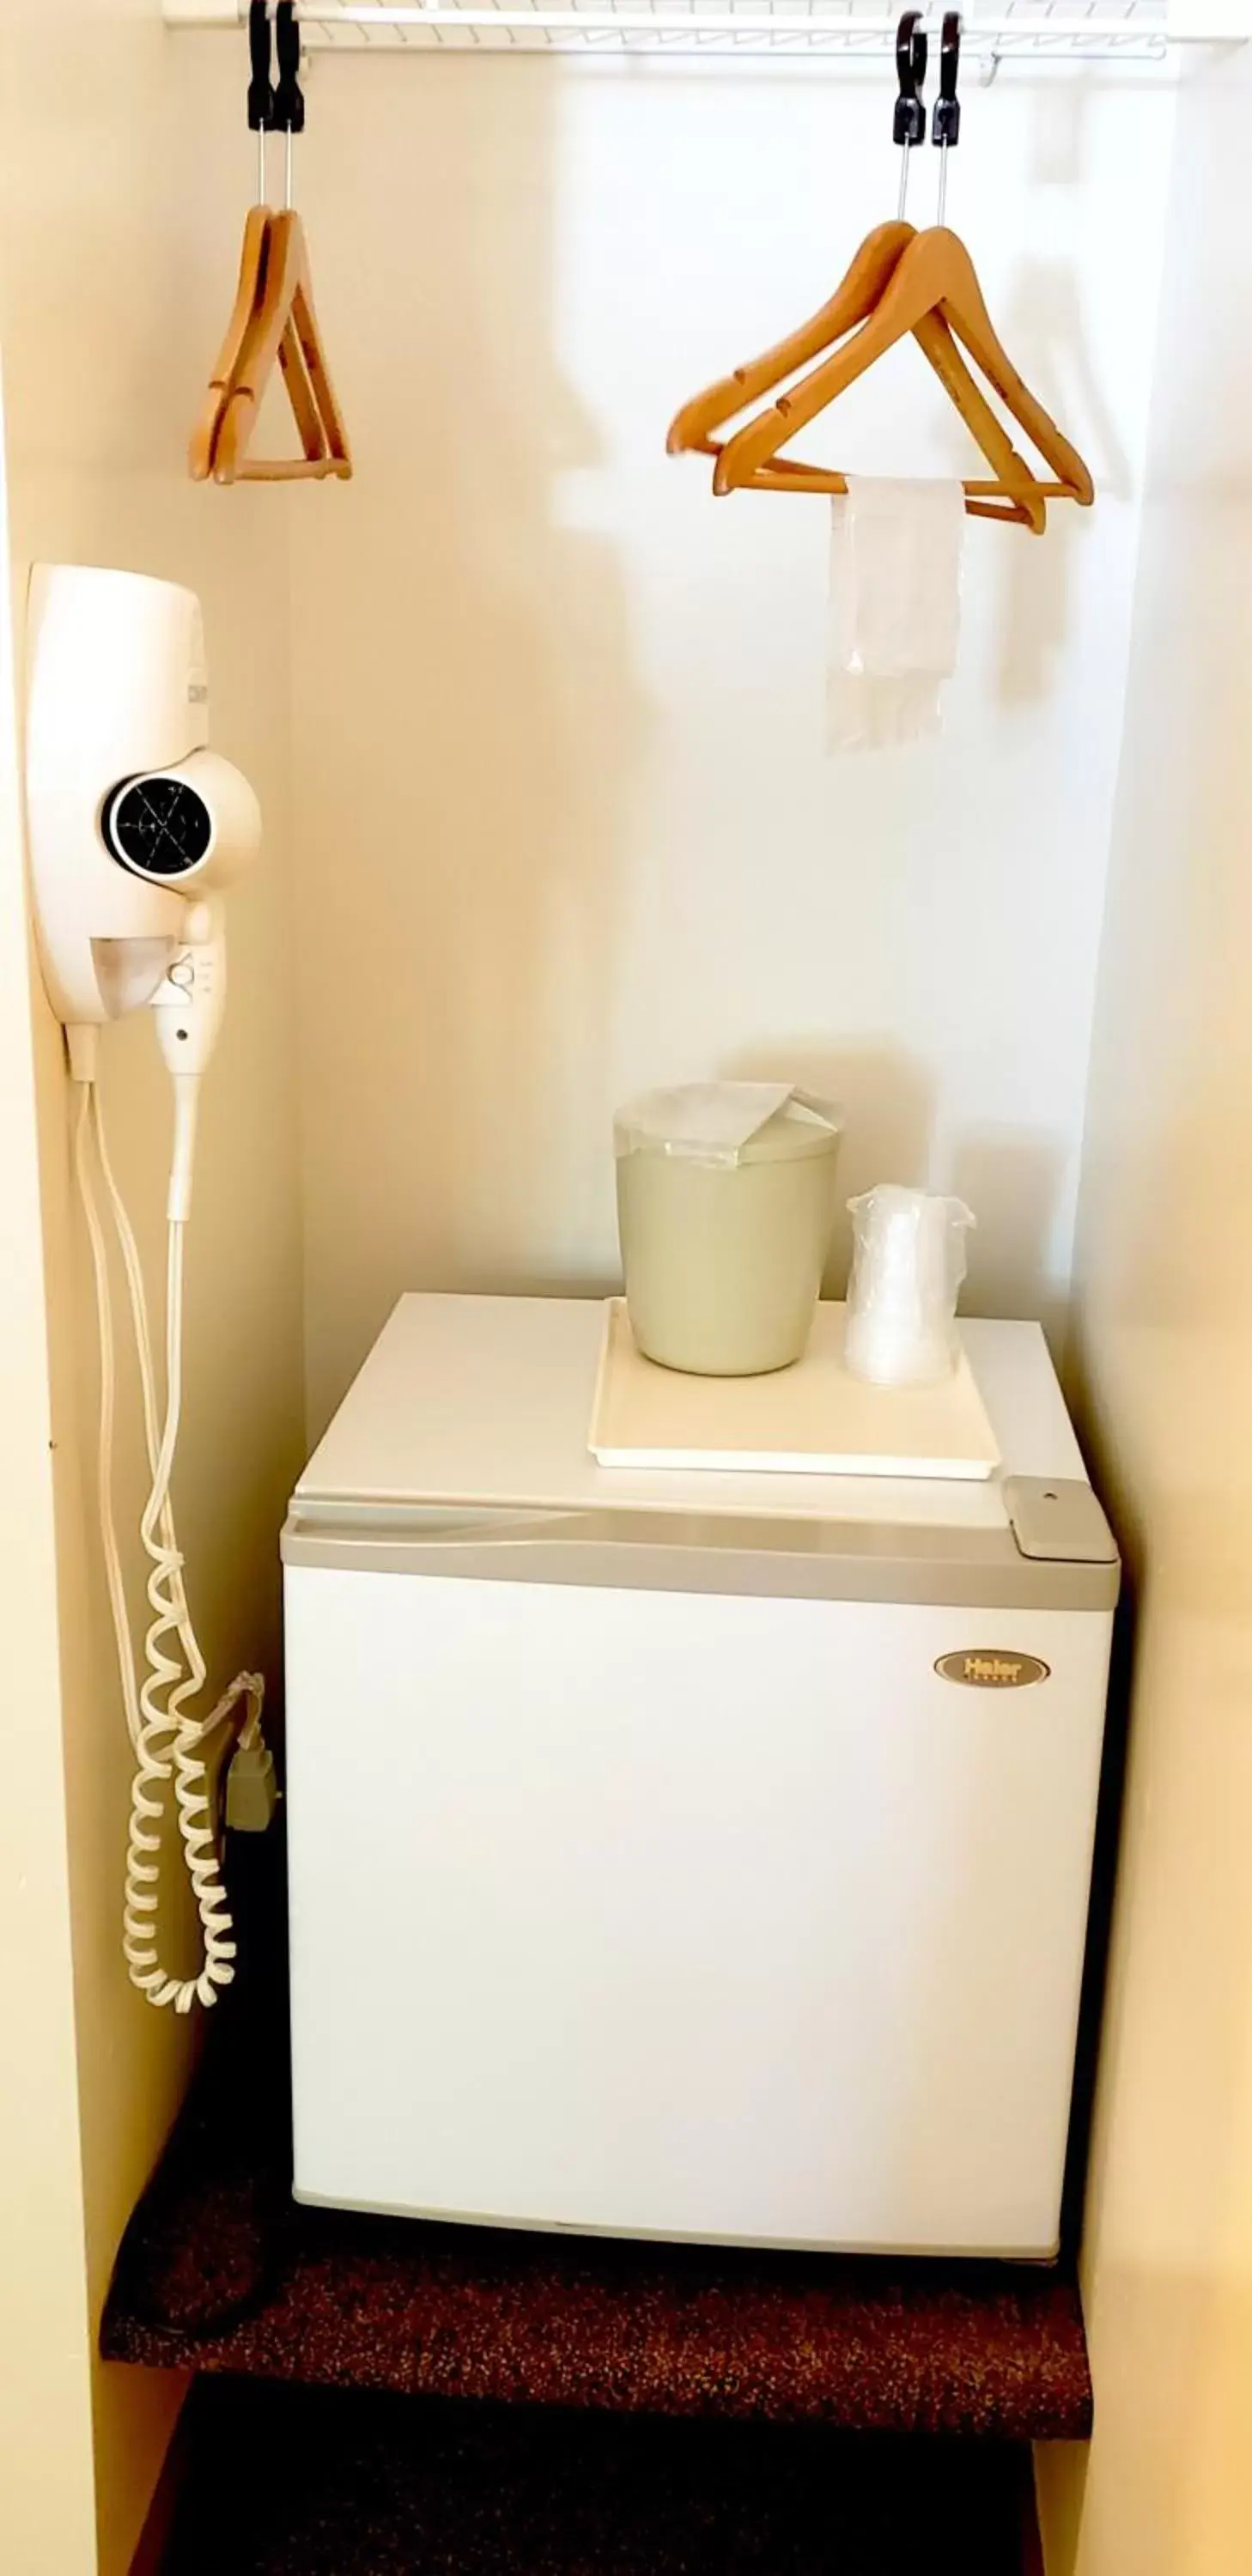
column 273, row 321
column 247, row 297
column 855, row 300
column 282, row 331
column 1016, row 493
column 852, row 302
column 933, row 280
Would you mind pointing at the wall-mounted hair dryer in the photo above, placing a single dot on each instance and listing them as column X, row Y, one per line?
column 131, row 817
column 135, row 827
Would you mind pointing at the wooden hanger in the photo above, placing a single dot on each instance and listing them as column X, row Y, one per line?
column 853, row 302
column 282, row 330
column 899, row 282
column 273, row 321
column 247, row 297
column 933, row 280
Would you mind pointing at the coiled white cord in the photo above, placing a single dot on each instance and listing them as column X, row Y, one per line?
column 166, row 1737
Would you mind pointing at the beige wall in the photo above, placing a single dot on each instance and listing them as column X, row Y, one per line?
column 46, row 2495
column 1165, row 1350
column 566, row 822
column 120, row 202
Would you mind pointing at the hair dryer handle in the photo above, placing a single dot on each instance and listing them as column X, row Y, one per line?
column 188, row 1007
column 192, row 997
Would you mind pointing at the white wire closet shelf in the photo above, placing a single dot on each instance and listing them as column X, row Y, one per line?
column 1014, row 31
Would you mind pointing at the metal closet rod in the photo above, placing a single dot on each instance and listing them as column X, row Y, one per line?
column 1132, row 32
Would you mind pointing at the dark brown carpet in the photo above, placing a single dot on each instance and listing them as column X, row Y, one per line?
column 299, row 2483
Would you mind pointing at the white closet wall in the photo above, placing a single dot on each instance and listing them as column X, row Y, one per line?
column 47, row 2486
column 117, row 181
column 1164, row 1314
column 565, row 821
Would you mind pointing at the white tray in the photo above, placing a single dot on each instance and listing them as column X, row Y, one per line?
column 812, row 1418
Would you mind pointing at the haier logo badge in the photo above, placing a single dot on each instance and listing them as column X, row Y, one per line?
column 988, row 1668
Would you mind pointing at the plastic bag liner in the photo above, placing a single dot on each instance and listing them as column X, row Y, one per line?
column 715, row 1122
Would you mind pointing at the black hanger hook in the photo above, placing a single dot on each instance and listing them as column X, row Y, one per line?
column 288, row 95
column 946, row 121
column 260, row 92
column 909, row 126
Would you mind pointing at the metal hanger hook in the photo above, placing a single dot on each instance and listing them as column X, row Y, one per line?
column 946, row 122
column 909, row 127
column 260, row 88
column 288, row 95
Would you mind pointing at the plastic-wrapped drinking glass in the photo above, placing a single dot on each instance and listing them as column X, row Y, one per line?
column 908, row 1263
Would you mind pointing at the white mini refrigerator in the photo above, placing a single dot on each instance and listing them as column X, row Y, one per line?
column 685, row 1855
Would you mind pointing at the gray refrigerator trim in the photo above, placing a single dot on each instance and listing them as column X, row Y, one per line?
column 945, row 2252
column 696, row 1552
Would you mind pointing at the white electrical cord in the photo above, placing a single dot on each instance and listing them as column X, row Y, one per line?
column 166, row 1737
column 104, row 1450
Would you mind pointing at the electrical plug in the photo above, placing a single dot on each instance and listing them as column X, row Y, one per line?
column 252, row 1791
